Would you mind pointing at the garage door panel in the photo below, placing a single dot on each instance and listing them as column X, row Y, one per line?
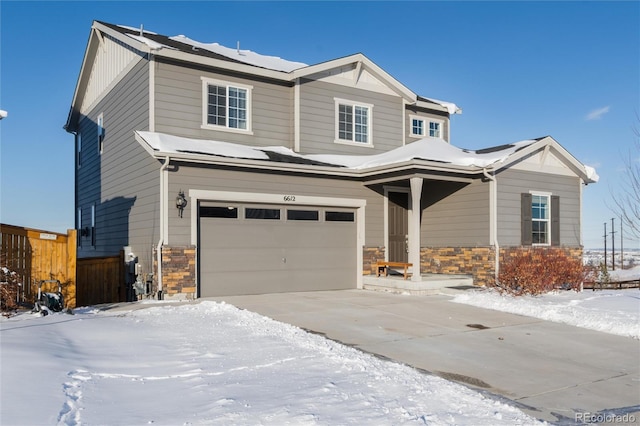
column 254, row 256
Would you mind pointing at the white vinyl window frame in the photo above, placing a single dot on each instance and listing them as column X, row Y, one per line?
column 435, row 128
column 93, row 225
column 100, row 132
column 356, row 114
column 229, row 87
column 417, row 126
column 78, row 150
column 540, row 218
column 79, row 226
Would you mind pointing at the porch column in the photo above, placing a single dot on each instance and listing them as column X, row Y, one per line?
column 414, row 227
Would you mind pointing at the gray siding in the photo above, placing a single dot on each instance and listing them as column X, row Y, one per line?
column 455, row 214
column 123, row 181
column 178, row 107
column 511, row 183
column 318, row 123
column 239, row 181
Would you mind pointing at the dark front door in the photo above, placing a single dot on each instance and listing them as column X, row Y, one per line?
column 398, row 226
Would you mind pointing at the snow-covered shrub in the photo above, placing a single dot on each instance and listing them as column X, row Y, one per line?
column 539, row 270
column 9, row 287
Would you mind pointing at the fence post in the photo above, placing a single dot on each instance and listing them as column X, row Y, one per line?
column 71, row 268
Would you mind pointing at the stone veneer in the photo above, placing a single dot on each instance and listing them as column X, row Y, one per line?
column 479, row 262
column 178, row 271
column 371, row 255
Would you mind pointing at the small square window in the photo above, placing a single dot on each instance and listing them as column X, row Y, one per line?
column 435, row 129
column 417, row 127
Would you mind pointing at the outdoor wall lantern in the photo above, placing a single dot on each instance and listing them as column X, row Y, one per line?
column 181, row 203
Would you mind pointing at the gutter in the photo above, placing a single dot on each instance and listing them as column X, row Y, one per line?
column 493, row 219
column 163, row 219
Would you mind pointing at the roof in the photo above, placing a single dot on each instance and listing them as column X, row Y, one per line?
column 183, row 48
column 429, row 150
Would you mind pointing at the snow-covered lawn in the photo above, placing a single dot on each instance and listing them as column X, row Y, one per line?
column 211, row 363
column 611, row 311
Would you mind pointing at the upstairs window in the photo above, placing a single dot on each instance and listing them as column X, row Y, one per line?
column 100, row 126
column 353, row 122
column 78, row 150
column 417, row 126
column 226, row 106
column 435, row 129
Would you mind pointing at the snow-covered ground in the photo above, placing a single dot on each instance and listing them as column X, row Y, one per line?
column 211, row 363
column 610, row 311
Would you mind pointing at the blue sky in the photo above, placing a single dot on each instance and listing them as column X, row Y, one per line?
column 519, row 70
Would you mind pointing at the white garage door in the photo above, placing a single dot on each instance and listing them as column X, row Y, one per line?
column 256, row 248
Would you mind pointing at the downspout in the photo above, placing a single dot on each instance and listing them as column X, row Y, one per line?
column 493, row 219
column 163, row 219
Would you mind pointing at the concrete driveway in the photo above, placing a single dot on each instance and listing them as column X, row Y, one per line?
column 552, row 371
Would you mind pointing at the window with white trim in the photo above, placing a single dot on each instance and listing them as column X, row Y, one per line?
column 79, row 227
column 353, row 122
column 435, row 129
column 78, row 149
column 540, row 215
column 226, row 106
column 93, row 225
column 417, row 126
column 100, row 129
column 540, row 219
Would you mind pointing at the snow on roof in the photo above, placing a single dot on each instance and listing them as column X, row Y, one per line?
column 591, row 173
column 450, row 106
column 246, row 56
column 152, row 44
column 429, row 149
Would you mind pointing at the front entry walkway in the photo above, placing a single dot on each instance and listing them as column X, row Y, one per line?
column 551, row 371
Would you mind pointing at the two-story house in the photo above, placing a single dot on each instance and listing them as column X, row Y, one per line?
column 228, row 172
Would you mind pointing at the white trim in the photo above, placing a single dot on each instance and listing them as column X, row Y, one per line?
column 100, row 132
column 424, row 129
column 78, row 150
column 296, row 116
column 196, row 195
column 548, row 220
column 353, row 104
column 414, row 227
column 428, row 122
column 206, row 81
column 152, row 93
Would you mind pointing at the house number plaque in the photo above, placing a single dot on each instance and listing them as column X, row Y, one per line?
column 289, row 198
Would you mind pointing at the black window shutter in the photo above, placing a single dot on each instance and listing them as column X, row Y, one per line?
column 525, row 218
column 555, row 220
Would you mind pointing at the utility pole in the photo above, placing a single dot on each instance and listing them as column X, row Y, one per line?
column 613, row 246
column 621, row 246
column 605, row 245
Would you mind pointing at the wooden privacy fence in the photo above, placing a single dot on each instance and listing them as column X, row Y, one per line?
column 37, row 255
column 101, row 280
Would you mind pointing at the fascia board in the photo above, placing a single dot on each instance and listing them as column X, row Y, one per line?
column 83, row 78
column 429, row 105
column 309, row 169
column 572, row 162
column 368, row 64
